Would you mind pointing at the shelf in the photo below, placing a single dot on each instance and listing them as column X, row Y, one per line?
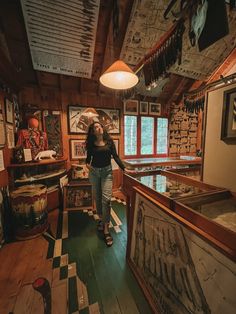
column 41, row 177
column 38, row 163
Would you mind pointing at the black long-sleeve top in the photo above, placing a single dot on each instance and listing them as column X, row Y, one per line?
column 101, row 156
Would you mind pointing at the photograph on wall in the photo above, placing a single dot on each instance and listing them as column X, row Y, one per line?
column 154, row 109
column 9, row 110
column 77, row 149
column 78, row 120
column 143, row 107
column 131, row 107
column 228, row 125
column 10, row 135
column 78, row 196
column 168, row 259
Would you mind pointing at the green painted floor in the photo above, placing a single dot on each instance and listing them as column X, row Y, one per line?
column 104, row 272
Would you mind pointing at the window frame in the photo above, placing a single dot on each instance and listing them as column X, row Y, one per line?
column 139, row 155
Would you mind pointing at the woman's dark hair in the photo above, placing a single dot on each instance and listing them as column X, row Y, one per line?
column 91, row 137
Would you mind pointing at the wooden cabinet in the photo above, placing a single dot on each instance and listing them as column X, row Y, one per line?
column 47, row 172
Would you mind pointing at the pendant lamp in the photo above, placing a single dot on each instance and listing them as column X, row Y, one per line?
column 119, row 76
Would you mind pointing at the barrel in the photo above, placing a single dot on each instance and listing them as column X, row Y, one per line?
column 29, row 207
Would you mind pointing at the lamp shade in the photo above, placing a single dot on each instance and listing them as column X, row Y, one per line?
column 119, row 76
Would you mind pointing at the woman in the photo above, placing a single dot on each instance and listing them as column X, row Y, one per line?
column 100, row 148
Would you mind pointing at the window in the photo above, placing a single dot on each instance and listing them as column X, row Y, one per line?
column 130, row 135
column 162, row 128
column 145, row 136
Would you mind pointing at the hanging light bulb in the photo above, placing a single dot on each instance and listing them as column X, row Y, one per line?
column 119, row 76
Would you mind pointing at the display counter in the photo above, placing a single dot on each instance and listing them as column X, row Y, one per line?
column 166, row 186
column 162, row 162
column 181, row 268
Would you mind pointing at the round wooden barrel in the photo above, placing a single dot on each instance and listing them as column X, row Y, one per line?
column 29, row 206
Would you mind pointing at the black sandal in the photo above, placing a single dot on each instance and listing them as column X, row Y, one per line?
column 108, row 239
column 100, row 225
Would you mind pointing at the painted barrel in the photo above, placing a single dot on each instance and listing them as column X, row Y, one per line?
column 29, row 206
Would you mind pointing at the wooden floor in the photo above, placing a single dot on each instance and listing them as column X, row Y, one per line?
column 83, row 275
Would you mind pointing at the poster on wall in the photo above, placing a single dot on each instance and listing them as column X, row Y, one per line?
column 78, row 122
column 52, row 126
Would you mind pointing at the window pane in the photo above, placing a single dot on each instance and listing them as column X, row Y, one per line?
column 162, row 131
column 130, row 135
column 147, row 127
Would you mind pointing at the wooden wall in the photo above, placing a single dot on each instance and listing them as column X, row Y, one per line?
column 7, row 153
column 55, row 99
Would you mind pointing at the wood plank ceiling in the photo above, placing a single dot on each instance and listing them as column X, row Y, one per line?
column 141, row 24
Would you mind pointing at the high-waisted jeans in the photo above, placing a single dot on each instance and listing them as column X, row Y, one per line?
column 101, row 180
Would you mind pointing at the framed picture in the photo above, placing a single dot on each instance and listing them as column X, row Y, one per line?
column 10, row 135
column 154, row 109
column 78, row 196
column 77, row 149
column 9, row 110
column 131, row 107
column 143, row 107
column 52, row 126
column 228, row 125
column 78, row 122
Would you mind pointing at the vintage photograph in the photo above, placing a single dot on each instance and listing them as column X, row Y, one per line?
column 228, row 126
column 154, row 109
column 9, row 110
column 10, row 135
column 78, row 120
column 143, row 107
column 78, row 196
column 131, row 107
column 77, row 149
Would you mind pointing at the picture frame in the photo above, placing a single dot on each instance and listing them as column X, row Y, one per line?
column 131, row 107
column 9, row 111
column 143, row 107
column 154, row 109
column 10, row 135
column 228, row 124
column 78, row 122
column 77, row 149
column 78, row 196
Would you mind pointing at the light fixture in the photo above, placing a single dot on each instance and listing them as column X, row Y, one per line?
column 119, row 76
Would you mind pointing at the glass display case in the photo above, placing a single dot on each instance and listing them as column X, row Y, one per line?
column 215, row 214
column 162, row 163
column 167, row 186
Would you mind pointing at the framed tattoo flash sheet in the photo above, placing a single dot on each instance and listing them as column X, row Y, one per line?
column 78, row 196
column 78, row 122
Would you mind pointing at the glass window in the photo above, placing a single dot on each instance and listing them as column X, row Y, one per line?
column 147, row 133
column 162, row 132
column 130, row 126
